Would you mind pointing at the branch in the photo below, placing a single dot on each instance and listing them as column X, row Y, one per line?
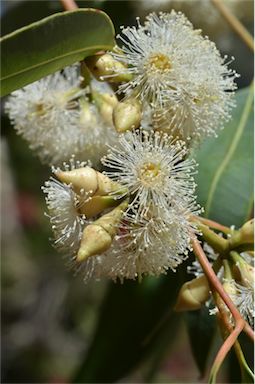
column 218, row 243
column 235, row 24
column 69, row 5
column 213, row 224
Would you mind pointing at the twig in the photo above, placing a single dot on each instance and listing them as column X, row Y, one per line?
column 213, row 224
column 225, row 348
column 218, row 243
column 225, row 319
column 215, row 283
column 235, row 24
column 69, row 5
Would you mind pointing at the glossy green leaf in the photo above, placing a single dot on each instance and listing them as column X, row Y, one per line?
column 201, row 329
column 53, row 43
column 225, row 174
column 132, row 317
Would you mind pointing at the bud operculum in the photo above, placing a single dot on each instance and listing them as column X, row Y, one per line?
column 127, row 115
column 98, row 236
column 193, row 294
column 105, row 66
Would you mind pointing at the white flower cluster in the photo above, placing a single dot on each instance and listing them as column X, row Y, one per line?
column 177, row 73
column 155, row 232
column 204, row 15
column 133, row 219
column 53, row 115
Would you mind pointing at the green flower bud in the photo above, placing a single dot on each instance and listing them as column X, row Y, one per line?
column 105, row 103
column 98, row 237
column 87, row 180
column 244, row 271
column 193, row 294
column 105, row 66
column 127, row 115
column 247, row 232
column 245, row 235
column 97, row 204
column 87, row 117
column 229, row 287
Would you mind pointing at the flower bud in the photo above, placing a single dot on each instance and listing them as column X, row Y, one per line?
column 244, row 272
column 229, row 287
column 98, row 237
column 247, row 232
column 193, row 294
column 247, row 274
column 245, row 235
column 105, row 66
column 88, row 180
column 127, row 115
column 105, row 103
column 97, row 204
column 95, row 240
column 87, row 117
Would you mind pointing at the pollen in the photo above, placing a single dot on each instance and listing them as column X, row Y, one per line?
column 159, row 62
column 40, row 109
column 150, row 173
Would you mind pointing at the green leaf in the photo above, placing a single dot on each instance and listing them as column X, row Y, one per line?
column 53, row 43
column 201, row 329
column 225, row 174
column 130, row 323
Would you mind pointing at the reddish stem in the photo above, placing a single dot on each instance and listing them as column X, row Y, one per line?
column 215, row 283
column 225, row 319
column 69, row 5
column 249, row 331
column 226, row 346
column 213, row 224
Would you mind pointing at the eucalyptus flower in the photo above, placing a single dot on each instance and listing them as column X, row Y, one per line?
column 179, row 73
column 46, row 114
column 153, row 169
column 55, row 117
column 149, row 246
column 156, row 232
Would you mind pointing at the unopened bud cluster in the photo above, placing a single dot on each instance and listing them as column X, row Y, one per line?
column 236, row 274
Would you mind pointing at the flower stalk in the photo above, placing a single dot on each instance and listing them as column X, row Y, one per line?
column 240, row 323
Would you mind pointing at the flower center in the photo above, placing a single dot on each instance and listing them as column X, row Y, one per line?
column 159, row 62
column 40, row 109
column 149, row 173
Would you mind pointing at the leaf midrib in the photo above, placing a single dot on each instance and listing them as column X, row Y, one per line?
column 231, row 150
column 96, row 47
